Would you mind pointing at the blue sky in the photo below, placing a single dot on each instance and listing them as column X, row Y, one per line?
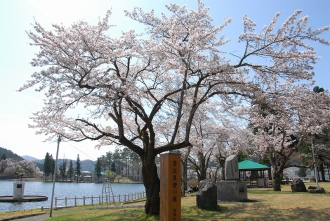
column 16, row 17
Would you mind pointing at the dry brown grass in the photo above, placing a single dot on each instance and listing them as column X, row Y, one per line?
column 264, row 204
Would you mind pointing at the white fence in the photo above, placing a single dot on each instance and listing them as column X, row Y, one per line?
column 93, row 200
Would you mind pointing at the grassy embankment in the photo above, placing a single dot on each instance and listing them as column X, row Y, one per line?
column 264, row 205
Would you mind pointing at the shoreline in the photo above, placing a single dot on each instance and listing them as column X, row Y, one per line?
column 59, row 181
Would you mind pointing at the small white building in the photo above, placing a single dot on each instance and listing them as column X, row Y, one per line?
column 291, row 173
column 86, row 176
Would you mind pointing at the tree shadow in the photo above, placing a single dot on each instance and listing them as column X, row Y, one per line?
column 256, row 213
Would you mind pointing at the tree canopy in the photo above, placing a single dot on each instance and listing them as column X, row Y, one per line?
column 143, row 91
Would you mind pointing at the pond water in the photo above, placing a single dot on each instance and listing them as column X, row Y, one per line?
column 62, row 190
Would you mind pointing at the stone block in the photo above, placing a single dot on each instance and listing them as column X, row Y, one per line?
column 314, row 189
column 231, row 190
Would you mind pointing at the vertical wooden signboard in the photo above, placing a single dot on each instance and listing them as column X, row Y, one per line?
column 170, row 186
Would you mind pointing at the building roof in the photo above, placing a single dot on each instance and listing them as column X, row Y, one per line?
column 250, row 165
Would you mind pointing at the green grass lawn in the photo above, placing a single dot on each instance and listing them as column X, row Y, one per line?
column 264, row 204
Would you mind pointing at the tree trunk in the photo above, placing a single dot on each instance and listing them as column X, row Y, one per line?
column 202, row 171
column 185, row 175
column 202, row 168
column 276, row 180
column 152, row 184
column 222, row 174
column 322, row 172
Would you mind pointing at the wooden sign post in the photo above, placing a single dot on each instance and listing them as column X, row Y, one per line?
column 170, row 186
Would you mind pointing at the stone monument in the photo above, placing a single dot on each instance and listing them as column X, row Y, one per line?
column 18, row 193
column 206, row 197
column 298, row 185
column 231, row 168
column 231, row 189
column 18, row 187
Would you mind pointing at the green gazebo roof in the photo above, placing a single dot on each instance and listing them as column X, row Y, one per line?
column 250, row 165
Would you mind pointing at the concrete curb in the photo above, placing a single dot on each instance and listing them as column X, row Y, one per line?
column 23, row 216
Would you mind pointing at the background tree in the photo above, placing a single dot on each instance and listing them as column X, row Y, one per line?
column 184, row 162
column 98, row 168
column 62, row 169
column 117, row 162
column 322, row 144
column 9, row 166
column 3, row 157
column 130, row 84
column 118, row 178
column 321, row 148
column 110, row 174
column 47, row 166
column 78, row 168
column 318, row 89
column 52, row 166
column 108, row 161
column 241, row 156
column 70, row 171
column 289, row 117
column 302, row 172
column 203, row 142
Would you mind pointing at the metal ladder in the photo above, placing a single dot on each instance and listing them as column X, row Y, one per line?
column 107, row 192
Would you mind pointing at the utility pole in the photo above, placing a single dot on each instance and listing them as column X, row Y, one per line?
column 55, row 169
column 315, row 174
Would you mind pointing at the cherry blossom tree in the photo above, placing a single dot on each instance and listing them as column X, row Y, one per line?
column 285, row 119
column 10, row 166
column 209, row 138
column 142, row 91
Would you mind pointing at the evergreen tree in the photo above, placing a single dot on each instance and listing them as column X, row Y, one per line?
column 47, row 166
column 318, row 89
column 117, row 162
column 241, row 156
column 108, row 160
column 3, row 157
column 62, row 169
column 302, row 172
column 78, row 168
column 9, row 154
column 98, row 168
column 70, row 171
column 113, row 167
column 52, row 166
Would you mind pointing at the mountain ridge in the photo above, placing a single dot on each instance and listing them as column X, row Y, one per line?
column 86, row 165
column 10, row 154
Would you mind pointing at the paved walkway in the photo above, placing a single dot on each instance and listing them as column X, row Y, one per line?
column 37, row 217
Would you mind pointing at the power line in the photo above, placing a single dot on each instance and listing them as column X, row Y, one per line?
column 92, row 158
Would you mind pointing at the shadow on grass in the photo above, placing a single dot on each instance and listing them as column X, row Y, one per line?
column 255, row 209
column 254, row 212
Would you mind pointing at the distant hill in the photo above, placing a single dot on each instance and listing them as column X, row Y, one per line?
column 10, row 154
column 15, row 162
column 26, row 157
column 88, row 165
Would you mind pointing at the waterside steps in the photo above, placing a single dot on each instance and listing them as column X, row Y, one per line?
column 26, row 198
